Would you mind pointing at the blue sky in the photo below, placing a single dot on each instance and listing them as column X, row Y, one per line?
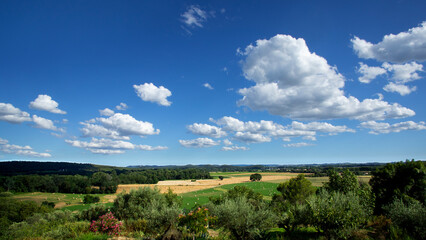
column 212, row 82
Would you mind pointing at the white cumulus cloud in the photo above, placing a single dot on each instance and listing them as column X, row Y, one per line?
column 206, row 130
column 151, row 93
column 248, row 137
column 399, row 48
column 369, row 73
column 198, row 143
column 20, row 150
column 402, row 74
column 399, row 88
column 11, row 114
column 121, row 107
column 382, row 127
column 117, row 126
column 45, row 123
column 46, row 103
column 294, row 83
column 108, row 146
column 106, row 112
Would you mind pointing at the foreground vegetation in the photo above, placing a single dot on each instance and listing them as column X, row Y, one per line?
column 391, row 206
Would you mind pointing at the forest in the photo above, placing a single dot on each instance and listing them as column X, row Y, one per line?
column 390, row 206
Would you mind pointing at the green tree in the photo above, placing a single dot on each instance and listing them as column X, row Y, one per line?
column 150, row 205
column 289, row 204
column 336, row 213
column 255, row 177
column 239, row 191
column 242, row 219
column 402, row 180
column 344, row 182
column 296, row 190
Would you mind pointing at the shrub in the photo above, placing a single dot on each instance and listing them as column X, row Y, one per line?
column 106, row 224
column 410, row 216
column 196, row 221
column 221, row 178
column 93, row 213
column 88, row 199
column 237, row 192
column 337, row 214
column 255, row 177
column 155, row 208
column 242, row 219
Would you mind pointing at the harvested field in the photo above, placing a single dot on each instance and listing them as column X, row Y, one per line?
column 184, row 186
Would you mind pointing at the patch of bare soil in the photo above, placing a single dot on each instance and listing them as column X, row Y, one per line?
column 184, row 186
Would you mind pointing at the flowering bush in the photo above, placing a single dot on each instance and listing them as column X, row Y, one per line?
column 196, row 221
column 106, row 223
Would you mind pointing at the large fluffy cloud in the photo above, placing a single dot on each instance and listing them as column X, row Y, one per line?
column 295, row 83
column 151, row 93
column 198, row 143
column 20, row 150
column 108, row 146
column 399, row 48
column 46, row 103
column 381, row 127
column 206, row 130
column 11, row 114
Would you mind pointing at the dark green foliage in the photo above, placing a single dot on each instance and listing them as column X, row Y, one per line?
column 255, row 177
column 148, row 204
column 409, row 216
column 54, row 225
column 296, row 190
column 336, row 213
column 12, row 210
column 220, row 177
column 238, row 192
column 402, row 180
column 290, row 203
column 93, row 213
column 242, row 219
column 105, row 182
column 48, row 204
column 344, row 182
column 88, row 199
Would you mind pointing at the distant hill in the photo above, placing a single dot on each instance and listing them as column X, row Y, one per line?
column 42, row 168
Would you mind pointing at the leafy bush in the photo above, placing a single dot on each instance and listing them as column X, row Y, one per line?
column 155, row 208
column 255, row 177
column 88, row 199
column 402, row 180
column 242, row 219
column 196, row 221
column 410, row 216
column 237, row 192
column 58, row 224
column 106, row 224
column 336, row 213
column 93, row 213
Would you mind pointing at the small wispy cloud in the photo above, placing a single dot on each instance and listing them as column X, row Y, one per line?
column 207, row 85
column 194, row 17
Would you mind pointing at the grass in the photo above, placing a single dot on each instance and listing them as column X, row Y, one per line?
column 69, row 201
column 201, row 197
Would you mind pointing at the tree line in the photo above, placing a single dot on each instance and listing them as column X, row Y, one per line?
column 99, row 182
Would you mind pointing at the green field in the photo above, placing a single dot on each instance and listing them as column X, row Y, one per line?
column 191, row 199
column 74, row 202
